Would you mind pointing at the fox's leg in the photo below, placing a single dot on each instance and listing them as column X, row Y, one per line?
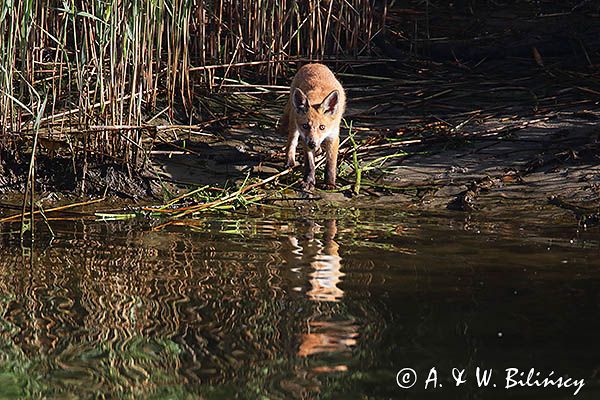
column 309, row 169
column 331, row 247
column 331, row 146
column 292, row 142
column 290, row 151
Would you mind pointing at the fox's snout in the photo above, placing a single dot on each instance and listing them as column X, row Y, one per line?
column 311, row 141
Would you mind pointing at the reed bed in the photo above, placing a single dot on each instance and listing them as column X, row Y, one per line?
column 72, row 64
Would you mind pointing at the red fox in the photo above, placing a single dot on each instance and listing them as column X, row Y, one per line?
column 312, row 116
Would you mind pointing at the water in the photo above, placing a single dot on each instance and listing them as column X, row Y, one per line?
column 288, row 307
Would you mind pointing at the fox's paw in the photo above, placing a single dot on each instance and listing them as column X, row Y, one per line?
column 307, row 186
column 329, row 186
column 291, row 164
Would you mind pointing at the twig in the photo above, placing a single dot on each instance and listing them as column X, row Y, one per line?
column 65, row 207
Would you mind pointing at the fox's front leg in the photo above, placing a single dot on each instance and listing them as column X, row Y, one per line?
column 309, row 169
column 290, row 151
column 331, row 146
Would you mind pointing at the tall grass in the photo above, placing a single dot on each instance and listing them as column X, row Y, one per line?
column 107, row 63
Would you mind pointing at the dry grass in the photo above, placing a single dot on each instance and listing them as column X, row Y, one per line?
column 72, row 64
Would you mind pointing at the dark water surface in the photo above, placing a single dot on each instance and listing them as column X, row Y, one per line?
column 295, row 308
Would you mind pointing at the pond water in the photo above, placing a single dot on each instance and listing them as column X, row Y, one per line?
column 289, row 307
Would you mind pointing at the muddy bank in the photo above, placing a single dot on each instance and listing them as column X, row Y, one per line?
column 549, row 159
column 448, row 141
column 62, row 176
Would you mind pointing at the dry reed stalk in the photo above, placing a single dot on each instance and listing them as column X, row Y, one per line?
column 108, row 62
column 60, row 208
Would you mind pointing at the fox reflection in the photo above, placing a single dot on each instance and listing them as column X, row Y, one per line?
column 329, row 337
column 323, row 258
column 326, row 333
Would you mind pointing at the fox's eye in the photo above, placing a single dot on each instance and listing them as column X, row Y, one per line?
column 322, row 127
column 305, row 126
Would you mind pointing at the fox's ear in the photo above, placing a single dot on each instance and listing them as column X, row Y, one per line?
column 300, row 101
column 330, row 104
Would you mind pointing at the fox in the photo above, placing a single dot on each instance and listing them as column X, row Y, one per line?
column 312, row 117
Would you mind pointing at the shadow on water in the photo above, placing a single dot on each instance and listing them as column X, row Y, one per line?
column 298, row 308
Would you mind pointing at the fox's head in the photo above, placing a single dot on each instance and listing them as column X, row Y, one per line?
column 315, row 122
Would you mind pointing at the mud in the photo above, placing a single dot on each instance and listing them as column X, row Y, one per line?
column 58, row 175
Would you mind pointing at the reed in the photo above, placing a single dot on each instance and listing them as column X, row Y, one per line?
column 110, row 62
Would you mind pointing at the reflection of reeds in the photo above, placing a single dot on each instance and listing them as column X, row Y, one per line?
column 111, row 309
column 108, row 63
column 157, row 311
